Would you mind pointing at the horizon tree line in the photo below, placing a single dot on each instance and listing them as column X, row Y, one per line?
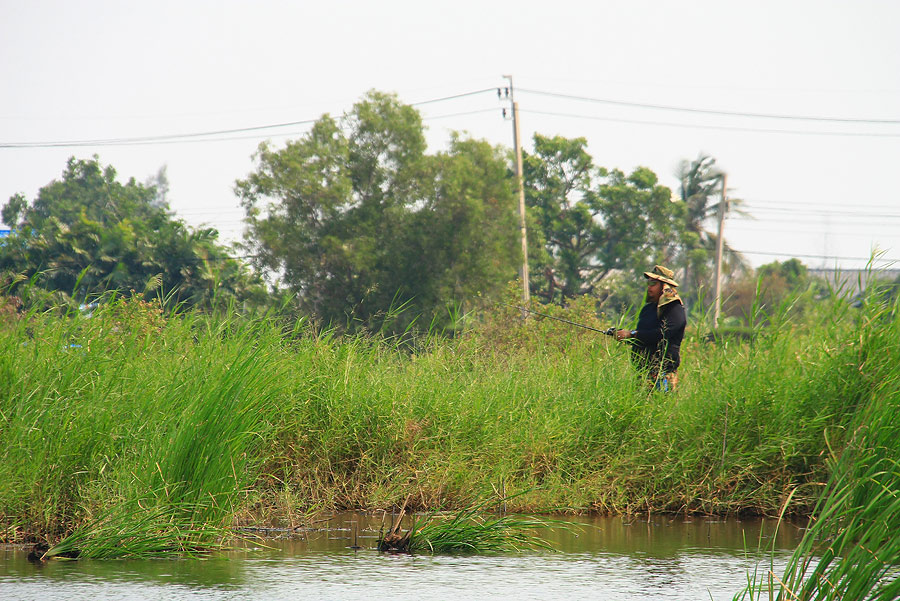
column 362, row 227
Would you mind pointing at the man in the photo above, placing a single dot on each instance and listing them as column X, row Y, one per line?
column 656, row 341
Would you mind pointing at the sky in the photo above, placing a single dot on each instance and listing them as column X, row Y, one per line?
column 798, row 101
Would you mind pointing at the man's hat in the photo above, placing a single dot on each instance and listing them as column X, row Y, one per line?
column 662, row 274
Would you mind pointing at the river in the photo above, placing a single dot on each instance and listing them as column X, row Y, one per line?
column 600, row 558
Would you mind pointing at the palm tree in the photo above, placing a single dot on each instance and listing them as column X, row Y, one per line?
column 700, row 190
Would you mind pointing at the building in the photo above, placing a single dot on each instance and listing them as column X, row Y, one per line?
column 853, row 281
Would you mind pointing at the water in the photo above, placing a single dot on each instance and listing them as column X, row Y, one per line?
column 603, row 558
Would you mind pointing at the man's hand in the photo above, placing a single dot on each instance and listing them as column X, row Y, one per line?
column 623, row 334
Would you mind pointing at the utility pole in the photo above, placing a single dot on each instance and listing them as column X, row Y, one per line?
column 723, row 206
column 517, row 136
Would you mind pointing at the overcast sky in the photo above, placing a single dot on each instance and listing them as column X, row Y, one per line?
column 822, row 189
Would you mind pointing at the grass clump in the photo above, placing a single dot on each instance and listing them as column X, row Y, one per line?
column 469, row 532
column 134, row 531
column 465, row 531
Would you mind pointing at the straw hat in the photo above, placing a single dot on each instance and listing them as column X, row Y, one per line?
column 662, row 274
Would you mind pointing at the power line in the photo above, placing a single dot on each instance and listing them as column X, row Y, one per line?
column 454, row 96
column 750, row 206
column 808, row 234
column 196, row 136
column 804, row 256
column 819, row 224
column 762, row 224
column 707, row 87
column 844, row 216
column 784, row 209
column 743, row 252
column 813, row 216
column 461, row 114
column 150, row 139
column 715, row 127
column 215, row 135
column 813, row 238
column 790, row 204
column 200, row 140
column 711, row 111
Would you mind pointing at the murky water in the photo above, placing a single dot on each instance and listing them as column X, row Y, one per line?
column 603, row 558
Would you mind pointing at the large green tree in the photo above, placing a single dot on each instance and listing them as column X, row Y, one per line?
column 461, row 239
column 356, row 218
column 88, row 233
column 593, row 222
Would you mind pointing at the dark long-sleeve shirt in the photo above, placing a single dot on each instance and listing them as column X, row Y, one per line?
column 657, row 338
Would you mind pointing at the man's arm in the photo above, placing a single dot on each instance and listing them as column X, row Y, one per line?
column 646, row 337
column 648, row 331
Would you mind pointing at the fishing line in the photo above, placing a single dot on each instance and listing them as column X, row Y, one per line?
column 608, row 332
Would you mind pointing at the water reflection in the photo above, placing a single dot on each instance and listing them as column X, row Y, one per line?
column 665, row 537
column 601, row 558
column 214, row 572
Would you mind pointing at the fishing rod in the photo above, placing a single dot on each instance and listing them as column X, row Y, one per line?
column 608, row 332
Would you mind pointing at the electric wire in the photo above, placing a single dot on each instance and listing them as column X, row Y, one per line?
column 454, row 96
column 225, row 139
column 460, row 114
column 710, row 111
column 743, row 252
column 215, row 135
column 755, row 130
column 192, row 136
column 885, row 237
column 781, row 203
column 808, row 234
column 754, row 223
column 809, row 256
column 821, row 213
column 150, row 139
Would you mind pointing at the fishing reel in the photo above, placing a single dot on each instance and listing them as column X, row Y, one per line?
column 610, row 332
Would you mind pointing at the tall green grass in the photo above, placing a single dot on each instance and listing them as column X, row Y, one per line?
column 851, row 550
column 225, row 418
column 130, row 405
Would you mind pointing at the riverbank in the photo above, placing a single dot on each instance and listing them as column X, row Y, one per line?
column 263, row 421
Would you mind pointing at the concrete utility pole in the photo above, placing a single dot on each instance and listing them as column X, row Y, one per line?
column 723, row 207
column 517, row 136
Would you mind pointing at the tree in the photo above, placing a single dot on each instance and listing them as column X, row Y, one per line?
column 87, row 233
column 160, row 183
column 701, row 193
column 356, row 219
column 13, row 208
column 462, row 243
column 593, row 222
column 773, row 283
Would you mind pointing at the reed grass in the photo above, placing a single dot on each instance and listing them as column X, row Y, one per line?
column 470, row 531
column 143, row 407
column 132, row 530
column 478, row 534
column 851, row 550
